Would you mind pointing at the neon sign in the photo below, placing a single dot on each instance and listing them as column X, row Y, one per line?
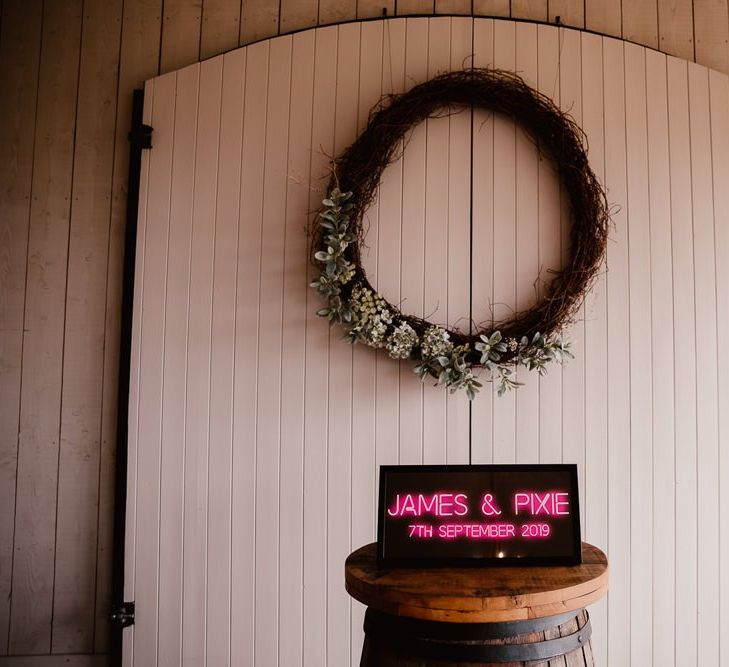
column 500, row 514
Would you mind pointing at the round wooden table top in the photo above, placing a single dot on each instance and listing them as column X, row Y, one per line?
column 476, row 594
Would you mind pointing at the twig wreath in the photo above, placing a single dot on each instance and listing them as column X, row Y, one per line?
column 532, row 338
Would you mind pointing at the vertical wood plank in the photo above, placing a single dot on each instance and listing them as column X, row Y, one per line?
column 707, row 408
column 295, row 288
column 390, row 246
column 719, row 96
column 662, row 342
column 337, row 11
column 527, row 248
column 20, row 44
column 222, row 361
column 374, row 8
column 181, row 26
column 568, row 628
column 482, row 277
column 152, row 333
column 459, row 238
column 259, row 19
column 268, row 417
column 711, row 31
column 220, row 27
column 364, row 359
column 246, row 363
column 177, row 313
column 339, row 453
column 435, row 279
column 45, row 290
column 388, row 419
column 504, row 239
column 550, row 248
column 618, row 319
column 83, row 355
column 676, row 28
column 684, row 361
column 596, row 360
column 298, row 14
column 491, row 8
column 412, row 7
column 567, row 12
column 573, row 371
column 139, row 55
column 529, row 10
column 604, row 16
column 316, row 389
column 453, row 7
column 640, row 354
column 138, row 60
column 197, row 410
column 640, row 22
column 412, row 251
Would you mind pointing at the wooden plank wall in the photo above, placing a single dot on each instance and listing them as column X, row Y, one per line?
column 69, row 69
column 256, row 432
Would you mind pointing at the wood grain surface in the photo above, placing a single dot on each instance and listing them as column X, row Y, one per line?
column 476, row 595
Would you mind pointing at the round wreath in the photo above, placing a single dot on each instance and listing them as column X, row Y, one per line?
column 531, row 338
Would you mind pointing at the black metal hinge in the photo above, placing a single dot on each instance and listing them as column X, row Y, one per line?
column 122, row 615
column 141, row 136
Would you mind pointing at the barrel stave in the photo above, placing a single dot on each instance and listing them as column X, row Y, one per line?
column 391, row 643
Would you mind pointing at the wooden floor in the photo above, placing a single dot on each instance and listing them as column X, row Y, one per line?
column 67, row 70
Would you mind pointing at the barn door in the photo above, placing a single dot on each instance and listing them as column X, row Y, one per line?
column 255, row 431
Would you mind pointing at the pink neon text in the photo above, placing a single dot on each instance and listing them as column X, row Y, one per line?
column 438, row 504
column 551, row 503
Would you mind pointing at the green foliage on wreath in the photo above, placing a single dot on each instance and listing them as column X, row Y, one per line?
column 370, row 320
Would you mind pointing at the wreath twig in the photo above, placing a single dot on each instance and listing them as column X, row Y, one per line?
column 532, row 337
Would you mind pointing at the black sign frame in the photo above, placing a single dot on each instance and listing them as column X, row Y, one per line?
column 575, row 558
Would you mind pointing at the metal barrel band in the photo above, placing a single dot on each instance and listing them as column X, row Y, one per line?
column 451, row 651
column 379, row 623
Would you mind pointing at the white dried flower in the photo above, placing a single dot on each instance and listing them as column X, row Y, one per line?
column 401, row 341
column 370, row 316
column 436, row 342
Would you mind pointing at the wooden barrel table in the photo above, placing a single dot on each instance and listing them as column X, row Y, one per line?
column 429, row 617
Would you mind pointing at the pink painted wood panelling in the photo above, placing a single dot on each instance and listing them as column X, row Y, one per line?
column 70, row 69
column 256, row 432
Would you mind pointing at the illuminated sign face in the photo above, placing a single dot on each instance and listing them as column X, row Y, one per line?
column 479, row 515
